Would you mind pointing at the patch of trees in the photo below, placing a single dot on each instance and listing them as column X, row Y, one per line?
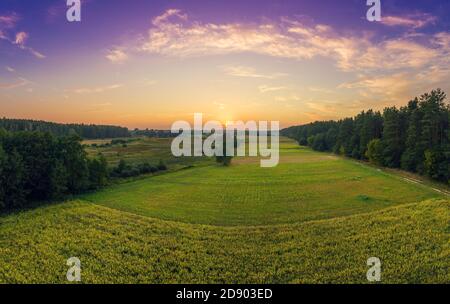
column 153, row 133
column 41, row 166
column 415, row 137
column 123, row 142
column 124, row 170
column 85, row 131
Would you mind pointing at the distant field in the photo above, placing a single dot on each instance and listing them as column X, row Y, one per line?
column 143, row 149
column 316, row 218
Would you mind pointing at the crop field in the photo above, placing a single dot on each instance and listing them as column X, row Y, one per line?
column 315, row 218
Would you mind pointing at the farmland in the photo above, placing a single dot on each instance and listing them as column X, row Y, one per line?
column 315, row 218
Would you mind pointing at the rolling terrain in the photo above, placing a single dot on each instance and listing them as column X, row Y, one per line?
column 315, row 218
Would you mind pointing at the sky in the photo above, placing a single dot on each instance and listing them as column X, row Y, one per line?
column 149, row 63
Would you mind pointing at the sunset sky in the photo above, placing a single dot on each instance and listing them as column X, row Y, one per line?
column 149, row 63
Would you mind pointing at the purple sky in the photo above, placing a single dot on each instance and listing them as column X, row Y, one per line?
column 231, row 59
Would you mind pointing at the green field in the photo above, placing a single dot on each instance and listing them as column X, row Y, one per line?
column 140, row 150
column 315, row 218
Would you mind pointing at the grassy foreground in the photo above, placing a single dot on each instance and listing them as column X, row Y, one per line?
column 411, row 240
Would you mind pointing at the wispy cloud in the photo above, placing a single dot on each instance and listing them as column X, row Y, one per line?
column 167, row 14
column 428, row 68
column 174, row 34
column 10, row 69
column 245, row 71
column 117, row 56
column 414, row 21
column 20, row 41
column 19, row 83
column 389, row 86
column 98, row 89
column 291, row 97
column 266, row 88
column 7, row 25
column 8, row 21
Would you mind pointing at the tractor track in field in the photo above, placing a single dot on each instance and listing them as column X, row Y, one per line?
column 407, row 179
column 415, row 181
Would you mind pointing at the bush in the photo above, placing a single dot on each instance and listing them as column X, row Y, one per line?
column 162, row 166
column 125, row 170
column 145, row 168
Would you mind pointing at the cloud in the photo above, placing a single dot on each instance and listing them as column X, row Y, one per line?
column 167, row 14
column 389, row 86
column 244, row 71
column 36, row 53
column 10, row 69
column 265, row 88
column 8, row 21
column 324, row 107
column 174, row 34
column 21, row 38
column 98, row 89
column 415, row 21
column 19, row 83
column 394, row 54
column 20, row 41
column 428, row 68
column 117, row 56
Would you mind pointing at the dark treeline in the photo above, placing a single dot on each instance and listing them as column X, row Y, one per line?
column 85, row 131
column 42, row 166
column 124, row 170
column 153, row 133
column 415, row 137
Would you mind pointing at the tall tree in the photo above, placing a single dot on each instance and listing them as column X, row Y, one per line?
column 392, row 138
column 412, row 158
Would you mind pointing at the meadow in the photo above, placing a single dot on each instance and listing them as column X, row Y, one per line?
column 139, row 150
column 315, row 218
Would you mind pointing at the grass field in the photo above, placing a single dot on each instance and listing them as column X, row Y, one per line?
column 143, row 149
column 315, row 218
column 306, row 185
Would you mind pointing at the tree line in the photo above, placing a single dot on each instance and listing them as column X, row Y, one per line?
column 85, row 131
column 41, row 166
column 415, row 137
column 153, row 133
